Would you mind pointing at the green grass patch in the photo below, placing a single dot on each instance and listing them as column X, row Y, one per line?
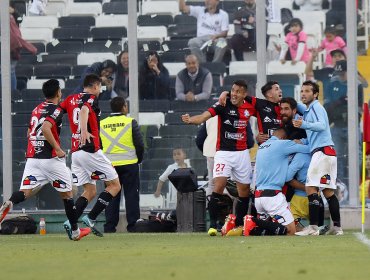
column 183, row 256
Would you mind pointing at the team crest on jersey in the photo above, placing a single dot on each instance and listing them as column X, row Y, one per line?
column 59, row 184
column 97, row 175
column 55, row 114
column 29, row 180
column 325, row 180
column 246, row 113
column 91, row 100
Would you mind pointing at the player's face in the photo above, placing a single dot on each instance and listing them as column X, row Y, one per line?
column 307, row 95
column 192, row 64
column 238, row 94
column 178, row 155
column 286, row 112
column 96, row 89
column 275, row 93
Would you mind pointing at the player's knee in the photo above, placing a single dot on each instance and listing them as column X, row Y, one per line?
column 328, row 192
column 290, row 229
column 66, row 195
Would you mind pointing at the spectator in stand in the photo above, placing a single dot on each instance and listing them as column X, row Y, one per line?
column 194, row 83
column 106, row 71
column 244, row 39
column 212, row 28
column 154, row 78
column 296, row 41
column 179, row 157
column 37, row 8
column 330, row 43
column 13, row 12
column 309, row 5
column 121, row 81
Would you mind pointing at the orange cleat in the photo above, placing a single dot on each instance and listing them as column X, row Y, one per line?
column 82, row 233
column 248, row 225
column 229, row 224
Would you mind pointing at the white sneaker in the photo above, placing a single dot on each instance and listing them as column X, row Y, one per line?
column 4, row 209
column 335, row 231
column 310, row 230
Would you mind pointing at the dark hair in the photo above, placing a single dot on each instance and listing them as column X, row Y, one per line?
column 90, row 80
column 331, row 30
column 109, row 64
column 50, row 88
column 291, row 101
column 296, row 21
column 282, row 129
column 315, row 86
column 117, row 103
column 241, row 83
column 266, row 87
column 179, row 148
column 160, row 65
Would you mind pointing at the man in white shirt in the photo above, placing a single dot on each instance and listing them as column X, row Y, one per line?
column 212, row 28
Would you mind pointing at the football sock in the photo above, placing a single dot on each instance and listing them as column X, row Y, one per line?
column 272, row 228
column 314, row 207
column 17, row 197
column 102, row 202
column 81, row 204
column 213, row 208
column 334, row 210
column 241, row 209
column 321, row 212
column 70, row 209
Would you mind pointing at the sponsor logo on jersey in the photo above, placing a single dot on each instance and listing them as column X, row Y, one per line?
column 29, row 180
column 59, row 184
column 232, row 113
column 246, row 113
column 240, row 124
column 91, row 100
column 267, row 119
column 227, row 122
column 97, row 175
column 325, row 180
column 234, row 136
column 56, row 114
column 267, row 109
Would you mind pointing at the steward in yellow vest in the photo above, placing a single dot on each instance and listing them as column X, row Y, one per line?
column 123, row 144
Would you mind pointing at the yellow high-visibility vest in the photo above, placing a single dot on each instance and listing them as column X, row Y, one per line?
column 116, row 137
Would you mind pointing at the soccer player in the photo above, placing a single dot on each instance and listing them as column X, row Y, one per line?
column 89, row 164
column 322, row 172
column 46, row 161
column 271, row 167
column 232, row 156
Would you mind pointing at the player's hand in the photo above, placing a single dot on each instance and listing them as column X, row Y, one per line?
column 60, row 153
column 157, row 194
column 298, row 141
column 222, row 98
column 262, row 137
column 85, row 136
column 186, row 118
column 297, row 123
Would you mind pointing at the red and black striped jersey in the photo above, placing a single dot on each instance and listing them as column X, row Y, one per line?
column 267, row 114
column 72, row 106
column 232, row 125
column 38, row 146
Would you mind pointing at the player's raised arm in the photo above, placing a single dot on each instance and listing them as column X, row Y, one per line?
column 197, row 119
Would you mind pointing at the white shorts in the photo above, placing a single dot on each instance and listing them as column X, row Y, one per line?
column 322, row 171
column 234, row 164
column 276, row 207
column 87, row 168
column 39, row 172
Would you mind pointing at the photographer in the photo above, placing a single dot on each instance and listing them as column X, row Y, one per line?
column 106, row 70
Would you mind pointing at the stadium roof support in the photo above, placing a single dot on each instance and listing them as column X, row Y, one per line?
column 261, row 45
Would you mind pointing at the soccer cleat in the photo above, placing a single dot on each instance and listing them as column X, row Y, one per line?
column 80, row 233
column 323, row 229
column 91, row 225
column 248, row 225
column 335, row 231
column 67, row 227
column 238, row 231
column 229, row 224
column 4, row 209
column 310, row 230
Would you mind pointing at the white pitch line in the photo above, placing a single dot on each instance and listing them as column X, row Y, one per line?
column 362, row 238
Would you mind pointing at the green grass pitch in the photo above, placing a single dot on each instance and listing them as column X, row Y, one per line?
column 183, row 256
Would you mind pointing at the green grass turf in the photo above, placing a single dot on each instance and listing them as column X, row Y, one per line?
column 183, row 256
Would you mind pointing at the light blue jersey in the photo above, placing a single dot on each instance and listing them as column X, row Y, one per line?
column 297, row 169
column 316, row 123
column 272, row 162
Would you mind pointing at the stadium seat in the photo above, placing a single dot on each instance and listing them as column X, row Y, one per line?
column 151, row 33
column 111, row 20
column 24, row 70
column 199, row 166
column 58, row 8
column 150, row 174
column 276, row 67
column 28, row 59
column 148, row 45
column 154, row 105
column 185, row 19
column 242, row 67
column 285, row 4
column 37, row 34
column 32, row 94
column 160, row 7
column 182, row 106
column 73, row 83
column 103, row 46
column 231, row 6
column 152, row 118
column 156, row 164
column 59, row 58
column 77, row 71
column 21, row 120
column 71, row 21
column 72, row 33
column 216, row 68
column 154, row 20
column 112, row 33
column 37, row 83
column 92, row 9
column 178, row 130
column 24, row 107
column 115, row 7
column 175, row 44
column 174, row 56
column 39, row 22
column 174, row 67
column 52, row 71
column 64, row 47
column 175, row 117
column 39, row 46
column 90, row 58
column 147, row 199
column 181, row 31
